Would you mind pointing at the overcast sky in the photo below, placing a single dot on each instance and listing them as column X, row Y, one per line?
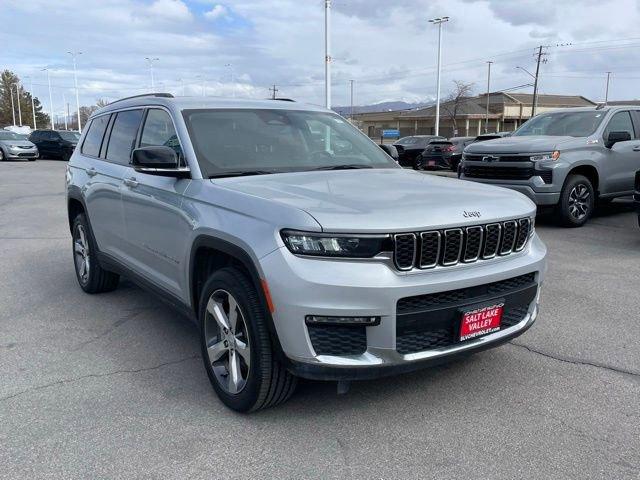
column 386, row 46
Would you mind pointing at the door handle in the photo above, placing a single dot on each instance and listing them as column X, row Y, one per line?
column 131, row 182
column 92, row 172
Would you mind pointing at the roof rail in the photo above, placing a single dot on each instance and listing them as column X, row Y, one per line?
column 159, row 94
column 283, row 99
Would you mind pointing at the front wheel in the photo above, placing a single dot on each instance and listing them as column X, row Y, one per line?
column 236, row 345
column 577, row 201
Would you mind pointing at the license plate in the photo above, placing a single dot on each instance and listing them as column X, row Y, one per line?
column 431, row 163
column 481, row 321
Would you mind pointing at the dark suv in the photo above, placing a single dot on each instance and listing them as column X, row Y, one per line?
column 410, row 148
column 55, row 143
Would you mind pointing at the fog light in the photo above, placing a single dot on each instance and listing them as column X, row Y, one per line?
column 325, row 320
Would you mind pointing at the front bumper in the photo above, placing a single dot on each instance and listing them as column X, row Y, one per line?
column 21, row 153
column 305, row 286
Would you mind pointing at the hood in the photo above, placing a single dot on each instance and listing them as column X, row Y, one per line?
column 384, row 200
column 524, row 144
column 20, row 143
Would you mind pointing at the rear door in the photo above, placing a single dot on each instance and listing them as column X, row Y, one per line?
column 156, row 227
column 622, row 160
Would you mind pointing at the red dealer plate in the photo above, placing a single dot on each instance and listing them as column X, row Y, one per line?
column 481, row 321
column 431, row 163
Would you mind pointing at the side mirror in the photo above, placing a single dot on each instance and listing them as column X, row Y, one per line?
column 615, row 137
column 390, row 150
column 158, row 160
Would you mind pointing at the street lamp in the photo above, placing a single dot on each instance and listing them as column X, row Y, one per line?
column 46, row 69
column 75, row 83
column 438, row 21
column 18, row 99
column 33, row 107
column 327, row 53
column 150, row 60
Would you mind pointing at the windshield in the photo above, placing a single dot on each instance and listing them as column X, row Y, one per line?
column 572, row 124
column 242, row 141
column 6, row 135
column 69, row 136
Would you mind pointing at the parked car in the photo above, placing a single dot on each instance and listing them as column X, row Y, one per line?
column 409, row 148
column 492, row 136
column 55, row 143
column 14, row 146
column 435, row 156
column 636, row 195
column 568, row 159
column 459, row 144
column 295, row 260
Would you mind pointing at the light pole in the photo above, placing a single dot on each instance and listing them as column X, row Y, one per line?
column 50, row 97
column 486, row 118
column 18, row 99
column 351, row 100
column 606, row 92
column 233, row 78
column 33, row 107
column 75, row 83
column 327, row 53
column 64, row 111
column 438, row 21
column 13, row 107
column 151, row 60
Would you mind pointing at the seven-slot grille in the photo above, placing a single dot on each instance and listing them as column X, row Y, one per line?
column 454, row 245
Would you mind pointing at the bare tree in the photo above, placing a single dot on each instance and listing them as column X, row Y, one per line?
column 452, row 104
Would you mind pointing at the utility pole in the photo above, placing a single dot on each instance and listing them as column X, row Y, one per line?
column 438, row 21
column 327, row 53
column 13, row 107
column 151, row 60
column 50, row 98
column 19, row 109
column 33, row 107
column 273, row 90
column 539, row 56
column 606, row 92
column 75, row 83
column 486, row 118
column 351, row 102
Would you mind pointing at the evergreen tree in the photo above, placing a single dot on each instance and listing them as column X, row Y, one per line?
column 8, row 81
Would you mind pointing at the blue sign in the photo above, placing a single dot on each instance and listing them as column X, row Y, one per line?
column 390, row 133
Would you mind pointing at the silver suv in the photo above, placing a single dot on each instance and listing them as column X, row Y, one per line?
column 570, row 159
column 296, row 244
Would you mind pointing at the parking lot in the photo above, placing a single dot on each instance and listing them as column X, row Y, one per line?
column 113, row 385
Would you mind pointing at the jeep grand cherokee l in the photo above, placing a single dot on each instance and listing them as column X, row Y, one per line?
column 294, row 259
column 569, row 159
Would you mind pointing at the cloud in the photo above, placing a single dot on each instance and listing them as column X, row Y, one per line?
column 170, row 10
column 217, row 12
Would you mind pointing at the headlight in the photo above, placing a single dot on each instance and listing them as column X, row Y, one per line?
column 335, row 245
column 555, row 155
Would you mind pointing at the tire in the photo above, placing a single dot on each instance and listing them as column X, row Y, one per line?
column 1, row 155
column 92, row 277
column 417, row 163
column 261, row 382
column 577, row 201
column 65, row 156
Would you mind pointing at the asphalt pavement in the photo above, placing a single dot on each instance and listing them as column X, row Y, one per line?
column 112, row 385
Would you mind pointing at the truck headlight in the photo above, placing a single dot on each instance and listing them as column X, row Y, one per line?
column 555, row 155
column 335, row 245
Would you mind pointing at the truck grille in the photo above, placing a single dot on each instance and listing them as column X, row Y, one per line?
column 498, row 173
column 498, row 158
column 454, row 245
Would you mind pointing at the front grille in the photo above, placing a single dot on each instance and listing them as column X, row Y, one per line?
column 432, row 321
column 498, row 158
column 498, row 173
column 338, row 339
column 546, row 175
column 27, row 154
column 451, row 246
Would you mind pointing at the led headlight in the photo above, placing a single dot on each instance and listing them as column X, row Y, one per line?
column 555, row 155
column 335, row 245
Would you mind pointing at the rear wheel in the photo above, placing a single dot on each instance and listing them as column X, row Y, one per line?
column 236, row 345
column 1, row 155
column 91, row 276
column 577, row 201
column 65, row 156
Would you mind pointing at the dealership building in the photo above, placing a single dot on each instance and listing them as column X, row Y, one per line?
column 507, row 111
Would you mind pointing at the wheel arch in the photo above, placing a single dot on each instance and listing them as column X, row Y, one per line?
column 588, row 171
column 75, row 205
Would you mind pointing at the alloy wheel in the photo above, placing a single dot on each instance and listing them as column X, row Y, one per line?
column 228, row 347
column 579, row 201
column 81, row 254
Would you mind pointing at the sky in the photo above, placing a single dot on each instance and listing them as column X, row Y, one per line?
column 389, row 49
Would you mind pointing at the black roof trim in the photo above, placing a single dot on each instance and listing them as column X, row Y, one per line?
column 158, row 95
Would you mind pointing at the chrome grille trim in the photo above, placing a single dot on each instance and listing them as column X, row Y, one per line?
column 424, row 237
column 451, row 246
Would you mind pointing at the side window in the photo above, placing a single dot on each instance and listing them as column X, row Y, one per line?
column 158, row 130
column 620, row 122
column 93, row 138
column 123, row 136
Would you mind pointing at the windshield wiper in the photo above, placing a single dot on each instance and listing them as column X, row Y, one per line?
column 242, row 173
column 348, row 166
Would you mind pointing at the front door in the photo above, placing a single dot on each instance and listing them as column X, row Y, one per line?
column 156, row 228
column 622, row 159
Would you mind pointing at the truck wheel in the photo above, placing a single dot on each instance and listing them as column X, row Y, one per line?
column 236, row 345
column 577, row 200
column 91, row 276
